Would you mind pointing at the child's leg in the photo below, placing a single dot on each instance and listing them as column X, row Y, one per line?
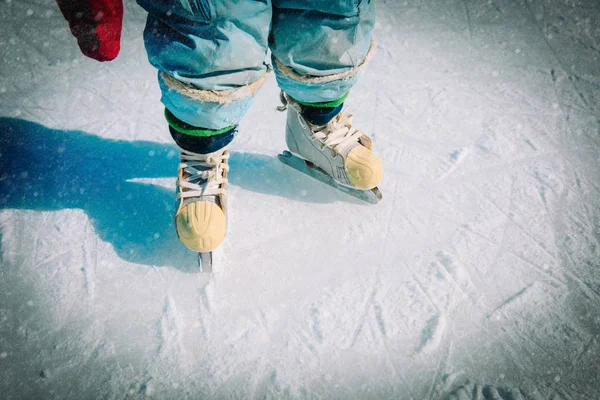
column 210, row 56
column 319, row 48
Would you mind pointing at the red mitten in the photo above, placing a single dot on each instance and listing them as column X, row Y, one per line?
column 96, row 24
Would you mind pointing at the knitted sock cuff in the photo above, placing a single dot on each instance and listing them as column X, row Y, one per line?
column 202, row 144
column 325, row 104
column 320, row 115
column 190, row 130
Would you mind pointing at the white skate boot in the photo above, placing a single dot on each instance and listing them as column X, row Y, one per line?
column 201, row 218
column 342, row 153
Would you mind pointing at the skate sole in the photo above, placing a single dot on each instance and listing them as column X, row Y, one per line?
column 372, row 196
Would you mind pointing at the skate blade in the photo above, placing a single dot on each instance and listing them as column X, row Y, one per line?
column 205, row 260
column 372, row 196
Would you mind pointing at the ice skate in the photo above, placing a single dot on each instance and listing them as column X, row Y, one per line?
column 334, row 153
column 201, row 218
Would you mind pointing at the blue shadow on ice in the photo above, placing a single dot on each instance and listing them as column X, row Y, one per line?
column 46, row 169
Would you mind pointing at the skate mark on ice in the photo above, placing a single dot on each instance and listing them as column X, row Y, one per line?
column 88, row 282
column 512, row 348
column 205, row 296
column 564, row 106
column 532, row 337
column 455, row 159
column 520, row 334
column 509, row 216
column 264, row 375
column 544, row 271
column 90, row 264
column 306, row 339
column 362, row 319
column 170, row 345
column 380, row 320
column 511, row 165
column 579, row 178
column 437, row 379
column 145, row 388
column 371, row 304
column 586, row 288
column 33, row 256
column 263, row 322
column 160, row 275
column 389, row 359
column 541, row 191
column 529, row 143
column 509, row 300
column 422, row 290
column 432, row 334
column 469, row 24
column 585, row 349
column 315, row 315
column 370, row 301
column 204, row 309
column 555, row 53
column 457, row 272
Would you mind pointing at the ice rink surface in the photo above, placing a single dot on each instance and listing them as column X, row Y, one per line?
column 477, row 276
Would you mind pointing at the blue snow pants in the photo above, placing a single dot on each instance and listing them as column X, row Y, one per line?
column 221, row 45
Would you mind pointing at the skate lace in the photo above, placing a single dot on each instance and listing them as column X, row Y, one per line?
column 338, row 134
column 203, row 174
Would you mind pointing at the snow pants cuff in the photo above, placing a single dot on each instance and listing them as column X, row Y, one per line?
column 319, row 89
column 208, row 109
